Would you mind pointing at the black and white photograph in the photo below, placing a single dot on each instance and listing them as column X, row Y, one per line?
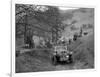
column 53, row 38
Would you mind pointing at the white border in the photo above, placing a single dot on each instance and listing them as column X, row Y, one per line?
column 45, row 74
column 13, row 39
column 60, row 3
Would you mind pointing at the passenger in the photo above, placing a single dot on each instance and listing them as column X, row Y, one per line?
column 48, row 44
column 36, row 41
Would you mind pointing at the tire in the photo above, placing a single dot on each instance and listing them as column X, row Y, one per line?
column 70, row 59
column 54, row 60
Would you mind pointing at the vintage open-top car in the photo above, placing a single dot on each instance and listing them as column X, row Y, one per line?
column 61, row 54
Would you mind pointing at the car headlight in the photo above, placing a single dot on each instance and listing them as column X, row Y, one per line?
column 67, row 56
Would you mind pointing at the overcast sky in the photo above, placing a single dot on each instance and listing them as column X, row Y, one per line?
column 66, row 8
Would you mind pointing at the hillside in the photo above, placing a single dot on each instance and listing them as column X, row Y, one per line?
column 74, row 19
column 83, row 50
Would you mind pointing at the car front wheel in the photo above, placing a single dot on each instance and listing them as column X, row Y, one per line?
column 54, row 60
column 70, row 59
